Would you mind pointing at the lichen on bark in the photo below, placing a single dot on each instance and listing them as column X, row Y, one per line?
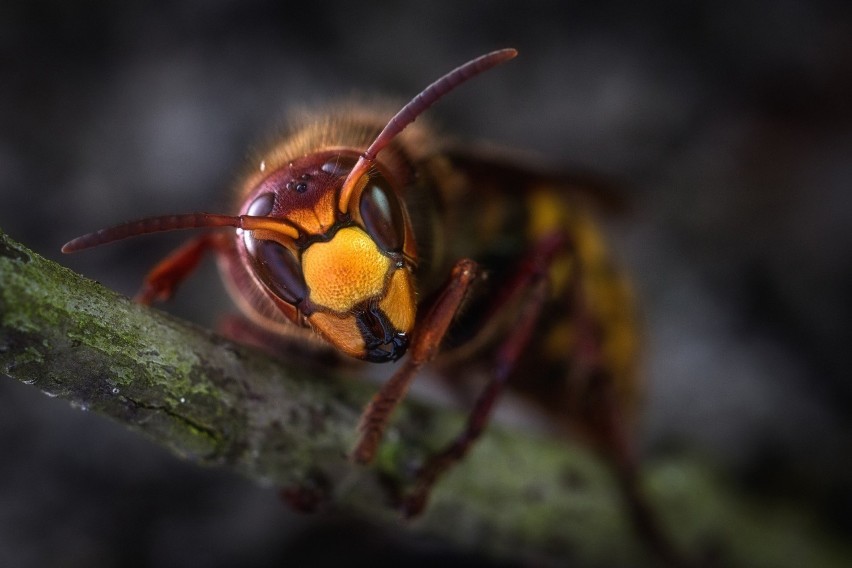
column 516, row 496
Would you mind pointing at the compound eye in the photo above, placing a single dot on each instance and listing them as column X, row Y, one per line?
column 381, row 213
column 279, row 270
column 262, row 205
column 339, row 166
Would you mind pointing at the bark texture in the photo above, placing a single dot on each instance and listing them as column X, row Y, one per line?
column 517, row 496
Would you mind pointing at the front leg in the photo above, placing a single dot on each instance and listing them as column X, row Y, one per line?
column 424, row 346
column 162, row 281
column 530, row 287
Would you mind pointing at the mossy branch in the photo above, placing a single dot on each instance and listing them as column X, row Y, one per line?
column 516, row 496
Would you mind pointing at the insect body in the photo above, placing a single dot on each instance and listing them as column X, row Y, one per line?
column 372, row 235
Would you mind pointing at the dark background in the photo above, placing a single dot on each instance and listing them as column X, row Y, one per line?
column 726, row 122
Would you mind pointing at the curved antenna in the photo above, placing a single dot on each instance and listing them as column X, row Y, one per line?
column 178, row 222
column 415, row 108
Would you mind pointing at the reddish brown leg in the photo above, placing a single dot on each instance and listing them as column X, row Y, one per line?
column 505, row 362
column 162, row 281
column 424, row 347
column 531, row 281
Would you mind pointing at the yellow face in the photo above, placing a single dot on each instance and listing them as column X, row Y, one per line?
column 363, row 300
column 345, row 273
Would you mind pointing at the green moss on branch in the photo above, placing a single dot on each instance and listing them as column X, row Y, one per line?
column 204, row 398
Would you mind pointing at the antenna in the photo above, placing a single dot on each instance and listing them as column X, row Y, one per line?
column 178, row 222
column 415, row 108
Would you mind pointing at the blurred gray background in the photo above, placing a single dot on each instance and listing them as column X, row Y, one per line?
column 726, row 124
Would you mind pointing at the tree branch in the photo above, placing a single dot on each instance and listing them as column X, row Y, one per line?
column 516, row 496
